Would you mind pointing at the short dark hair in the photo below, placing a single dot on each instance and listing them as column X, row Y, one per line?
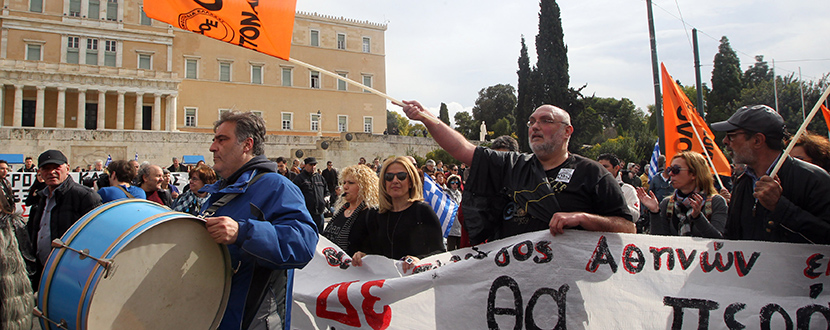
column 248, row 125
column 505, row 142
column 281, row 160
column 29, row 158
column 124, row 171
column 3, row 161
column 611, row 158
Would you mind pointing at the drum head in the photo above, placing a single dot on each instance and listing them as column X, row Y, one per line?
column 172, row 276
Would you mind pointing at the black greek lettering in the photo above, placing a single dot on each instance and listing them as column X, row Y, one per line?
column 743, row 266
column 457, row 258
column 254, row 4
column 766, row 316
column 523, row 254
column 685, row 261
column 718, row 263
column 492, row 310
column 602, row 255
column 812, row 264
column 703, row 307
column 559, row 297
column 216, row 5
column 657, row 253
column 729, row 316
column 804, row 315
column 629, row 261
column 251, row 20
column 543, row 247
column 680, row 114
column 816, row 290
column 502, row 258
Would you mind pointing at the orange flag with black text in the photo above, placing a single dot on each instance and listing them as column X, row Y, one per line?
column 826, row 113
column 264, row 26
column 679, row 114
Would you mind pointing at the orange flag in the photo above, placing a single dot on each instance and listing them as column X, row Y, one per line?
column 264, row 26
column 826, row 113
column 679, row 114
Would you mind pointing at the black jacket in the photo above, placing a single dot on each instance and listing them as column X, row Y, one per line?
column 314, row 190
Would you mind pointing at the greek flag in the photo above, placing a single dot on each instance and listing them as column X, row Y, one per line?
column 136, row 156
column 109, row 160
column 652, row 166
column 443, row 206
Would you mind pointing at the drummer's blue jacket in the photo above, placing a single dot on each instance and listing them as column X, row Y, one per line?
column 276, row 233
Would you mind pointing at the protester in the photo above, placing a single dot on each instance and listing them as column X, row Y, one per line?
column 121, row 173
column 191, row 201
column 260, row 216
column 405, row 227
column 440, row 180
column 330, row 176
column 453, row 191
column 793, row 206
column 359, row 201
column 550, row 188
column 151, row 179
column 16, row 297
column 177, row 167
column 295, row 166
column 5, row 185
column 28, row 166
column 60, row 204
column 660, row 184
column 361, row 161
column 429, row 167
column 167, row 185
column 611, row 163
column 282, row 168
column 812, row 148
column 695, row 209
column 314, row 190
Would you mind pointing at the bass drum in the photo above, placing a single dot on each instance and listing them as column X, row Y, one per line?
column 165, row 271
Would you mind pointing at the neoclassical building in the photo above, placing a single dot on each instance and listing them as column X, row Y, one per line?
column 104, row 65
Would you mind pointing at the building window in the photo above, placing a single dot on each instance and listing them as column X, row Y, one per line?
column 144, row 19
column 94, row 9
column 367, row 81
column 367, row 45
column 110, row 52
column 256, row 74
column 342, row 123
column 315, row 38
column 341, row 41
column 75, row 8
column 221, row 111
column 224, row 71
column 286, row 121
column 92, row 51
column 36, row 6
column 341, row 84
column 191, row 68
column 72, row 50
column 145, row 61
column 286, row 77
column 315, row 122
column 367, row 124
column 190, row 117
column 315, row 79
column 112, row 10
column 257, row 113
column 33, row 52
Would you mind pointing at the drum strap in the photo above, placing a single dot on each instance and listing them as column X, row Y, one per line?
column 228, row 197
column 129, row 195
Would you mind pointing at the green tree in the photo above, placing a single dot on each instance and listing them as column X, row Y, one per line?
column 503, row 127
column 394, row 119
column 726, row 85
column 494, row 103
column 443, row 156
column 444, row 114
column 758, row 73
column 524, row 104
column 466, row 125
column 552, row 79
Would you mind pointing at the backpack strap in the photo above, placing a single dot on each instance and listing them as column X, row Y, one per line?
column 227, row 198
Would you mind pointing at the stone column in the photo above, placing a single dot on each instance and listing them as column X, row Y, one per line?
column 39, row 108
column 81, row 118
column 61, row 115
column 102, row 107
column 156, row 112
column 139, row 110
column 172, row 113
column 119, row 115
column 18, row 105
column 3, row 105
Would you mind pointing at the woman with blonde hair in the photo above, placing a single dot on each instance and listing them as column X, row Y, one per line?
column 358, row 201
column 405, row 227
column 695, row 208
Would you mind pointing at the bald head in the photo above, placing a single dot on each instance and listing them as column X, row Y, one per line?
column 555, row 112
column 549, row 130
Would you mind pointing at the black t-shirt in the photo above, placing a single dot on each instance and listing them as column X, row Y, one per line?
column 533, row 195
column 414, row 231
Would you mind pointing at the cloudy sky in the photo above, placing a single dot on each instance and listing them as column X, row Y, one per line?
column 448, row 50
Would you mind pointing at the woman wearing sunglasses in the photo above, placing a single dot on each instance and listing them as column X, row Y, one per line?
column 695, row 208
column 405, row 227
column 453, row 191
column 356, row 204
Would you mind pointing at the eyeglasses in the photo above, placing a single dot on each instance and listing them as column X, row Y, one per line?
column 675, row 169
column 454, row 182
column 546, row 121
column 390, row 176
column 731, row 135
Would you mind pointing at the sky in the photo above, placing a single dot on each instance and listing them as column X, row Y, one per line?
column 448, row 50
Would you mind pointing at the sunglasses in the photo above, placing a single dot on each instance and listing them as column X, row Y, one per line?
column 390, row 176
column 454, row 182
column 675, row 169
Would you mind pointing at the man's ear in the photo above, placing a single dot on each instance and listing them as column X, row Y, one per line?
column 249, row 144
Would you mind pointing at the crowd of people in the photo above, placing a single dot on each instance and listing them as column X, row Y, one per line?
column 270, row 214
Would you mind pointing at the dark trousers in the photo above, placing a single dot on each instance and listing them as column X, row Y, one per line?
column 318, row 219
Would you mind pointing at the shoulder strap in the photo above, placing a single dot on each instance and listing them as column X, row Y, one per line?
column 129, row 195
column 227, row 198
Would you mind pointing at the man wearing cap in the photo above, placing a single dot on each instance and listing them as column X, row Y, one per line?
column 61, row 203
column 793, row 206
column 314, row 190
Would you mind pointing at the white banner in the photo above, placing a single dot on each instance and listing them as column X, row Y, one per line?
column 579, row 280
column 22, row 181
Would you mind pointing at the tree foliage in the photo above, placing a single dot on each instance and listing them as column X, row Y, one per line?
column 524, row 104
column 442, row 156
column 495, row 103
column 726, row 83
column 466, row 125
column 444, row 114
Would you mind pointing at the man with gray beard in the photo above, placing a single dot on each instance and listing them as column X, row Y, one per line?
column 548, row 189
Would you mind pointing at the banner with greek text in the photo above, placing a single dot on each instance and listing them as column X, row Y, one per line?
column 579, row 280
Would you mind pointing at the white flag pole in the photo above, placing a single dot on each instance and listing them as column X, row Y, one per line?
column 800, row 131
column 702, row 146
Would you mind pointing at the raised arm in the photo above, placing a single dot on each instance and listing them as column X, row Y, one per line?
column 448, row 138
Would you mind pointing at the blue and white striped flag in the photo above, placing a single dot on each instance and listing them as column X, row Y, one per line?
column 109, row 160
column 652, row 166
column 443, row 206
column 136, row 156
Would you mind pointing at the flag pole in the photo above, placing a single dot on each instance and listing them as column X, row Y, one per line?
column 705, row 151
column 354, row 83
column 800, row 131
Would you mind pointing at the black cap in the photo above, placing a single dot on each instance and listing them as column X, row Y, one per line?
column 756, row 118
column 310, row 160
column 51, row 157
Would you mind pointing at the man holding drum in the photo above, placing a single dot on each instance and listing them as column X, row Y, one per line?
column 261, row 216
